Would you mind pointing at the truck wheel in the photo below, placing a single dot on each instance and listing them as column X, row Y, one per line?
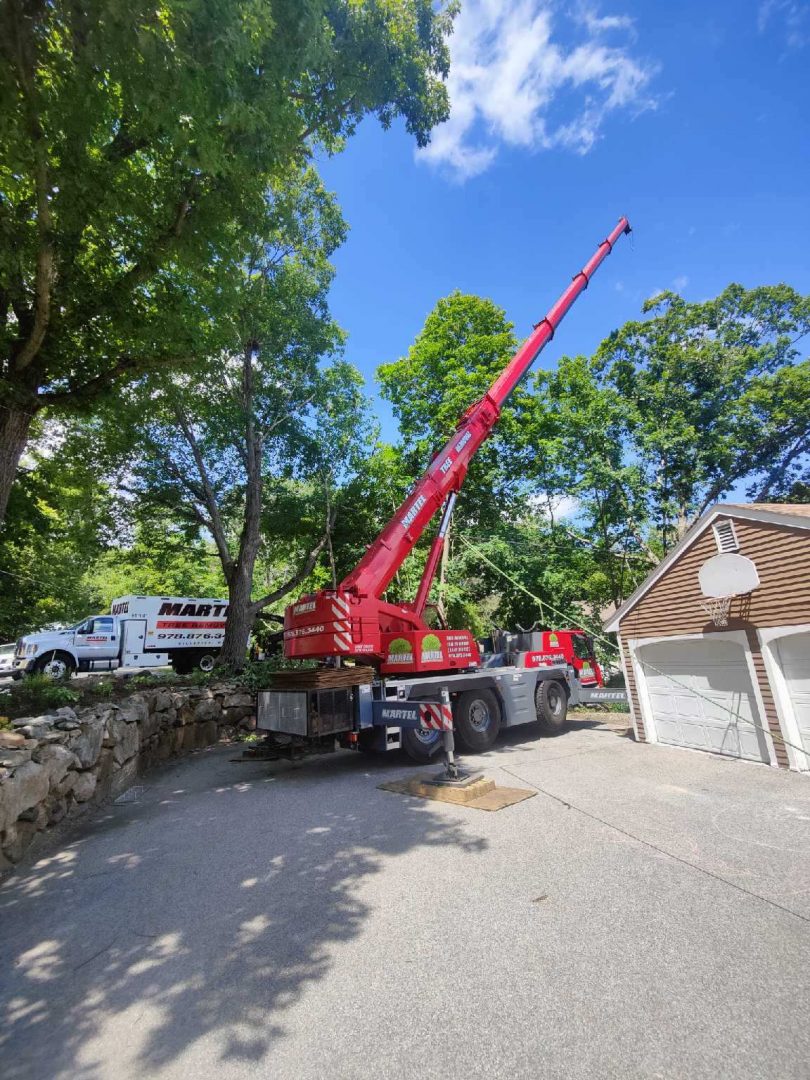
column 57, row 665
column 551, row 702
column 205, row 661
column 420, row 744
column 477, row 719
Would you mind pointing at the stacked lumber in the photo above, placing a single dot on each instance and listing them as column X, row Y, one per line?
column 323, row 678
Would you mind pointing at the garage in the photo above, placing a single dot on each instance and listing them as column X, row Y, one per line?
column 715, row 641
column 699, row 694
column 793, row 657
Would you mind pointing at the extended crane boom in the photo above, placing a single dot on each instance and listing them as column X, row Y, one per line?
column 354, row 620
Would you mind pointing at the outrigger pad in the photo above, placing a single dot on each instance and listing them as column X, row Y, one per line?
column 481, row 794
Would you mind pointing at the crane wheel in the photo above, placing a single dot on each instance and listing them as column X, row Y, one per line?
column 477, row 719
column 420, row 744
column 551, row 702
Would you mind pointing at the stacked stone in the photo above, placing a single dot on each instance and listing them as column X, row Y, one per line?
column 55, row 766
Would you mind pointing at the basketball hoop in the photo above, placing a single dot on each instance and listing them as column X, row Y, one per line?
column 717, row 608
column 721, row 578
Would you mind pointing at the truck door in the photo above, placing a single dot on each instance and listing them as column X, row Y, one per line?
column 97, row 639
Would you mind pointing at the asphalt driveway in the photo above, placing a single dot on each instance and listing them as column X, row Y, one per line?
column 647, row 914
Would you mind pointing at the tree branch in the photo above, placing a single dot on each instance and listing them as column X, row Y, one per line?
column 301, row 575
column 798, row 447
column 211, row 505
column 125, row 366
column 43, row 284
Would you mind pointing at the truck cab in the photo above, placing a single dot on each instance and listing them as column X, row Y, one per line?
column 92, row 643
column 572, row 649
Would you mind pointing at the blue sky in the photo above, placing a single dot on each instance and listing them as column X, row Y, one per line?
column 689, row 117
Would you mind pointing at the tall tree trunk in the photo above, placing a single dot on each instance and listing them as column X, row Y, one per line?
column 241, row 616
column 14, row 427
column 241, row 612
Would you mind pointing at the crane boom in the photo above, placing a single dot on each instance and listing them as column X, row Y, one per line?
column 448, row 469
column 353, row 620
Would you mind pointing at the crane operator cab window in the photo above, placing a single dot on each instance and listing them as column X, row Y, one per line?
column 583, row 646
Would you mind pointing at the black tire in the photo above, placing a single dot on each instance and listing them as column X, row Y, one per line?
column 183, row 663
column 477, row 719
column 59, row 665
column 551, row 702
column 421, row 745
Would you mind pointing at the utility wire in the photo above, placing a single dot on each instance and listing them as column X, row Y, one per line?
column 645, row 663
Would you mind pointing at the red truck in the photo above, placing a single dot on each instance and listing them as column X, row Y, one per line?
column 549, row 648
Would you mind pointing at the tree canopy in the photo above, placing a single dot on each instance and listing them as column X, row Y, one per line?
column 137, row 144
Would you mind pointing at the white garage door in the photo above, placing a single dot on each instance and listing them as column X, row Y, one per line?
column 718, row 671
column 794, row 657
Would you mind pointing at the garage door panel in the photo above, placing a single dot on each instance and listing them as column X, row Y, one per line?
column 716, row 707
column 793, row 653
column 751, row 745
column 701, row 696
column 693, row 735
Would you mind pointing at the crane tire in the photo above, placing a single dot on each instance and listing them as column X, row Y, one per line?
column 551, row 702
column 421, row 745
column 477, row 719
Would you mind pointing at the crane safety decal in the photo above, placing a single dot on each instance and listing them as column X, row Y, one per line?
column 436, row 717
column 342, row 626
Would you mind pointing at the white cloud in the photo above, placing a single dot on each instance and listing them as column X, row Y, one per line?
column 522, row 77
column 792, row 16
column 680, row 283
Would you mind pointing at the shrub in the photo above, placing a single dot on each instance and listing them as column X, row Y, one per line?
column 36, row 694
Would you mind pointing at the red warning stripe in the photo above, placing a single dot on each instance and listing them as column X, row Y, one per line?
column 189, row 624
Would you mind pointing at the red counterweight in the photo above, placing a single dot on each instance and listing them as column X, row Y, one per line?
column 353, row 620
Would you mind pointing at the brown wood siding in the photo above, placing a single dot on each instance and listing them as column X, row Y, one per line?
column 782, row 557
column 671, row 607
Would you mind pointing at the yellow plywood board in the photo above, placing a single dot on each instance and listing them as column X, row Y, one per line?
column 501, row 797
column 480, row 794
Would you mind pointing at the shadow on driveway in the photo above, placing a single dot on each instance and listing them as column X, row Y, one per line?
column 209, row 905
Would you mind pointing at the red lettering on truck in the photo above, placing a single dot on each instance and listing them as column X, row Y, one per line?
column 188, row 624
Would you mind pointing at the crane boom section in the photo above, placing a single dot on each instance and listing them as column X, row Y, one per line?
column 446, row 472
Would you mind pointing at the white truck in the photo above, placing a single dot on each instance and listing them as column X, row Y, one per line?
column 140, row 631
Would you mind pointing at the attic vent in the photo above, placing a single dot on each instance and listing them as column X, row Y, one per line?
column 726, row 537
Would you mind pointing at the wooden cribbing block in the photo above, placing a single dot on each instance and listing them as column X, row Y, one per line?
column 481, row 794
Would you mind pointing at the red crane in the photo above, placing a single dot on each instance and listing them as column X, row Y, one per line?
column 353, row 620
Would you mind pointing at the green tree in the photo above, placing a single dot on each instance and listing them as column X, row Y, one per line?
column 137, row 143
column 716, row 395
column 220, row 444
column 163, row 557
column 507, row 503
column 61, row 520
column 464, row 344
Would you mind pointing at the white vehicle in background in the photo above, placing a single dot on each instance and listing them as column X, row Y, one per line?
column 7, row 661
column 140, row 631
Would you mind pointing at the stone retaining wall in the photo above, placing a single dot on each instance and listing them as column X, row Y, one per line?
column 55, row 766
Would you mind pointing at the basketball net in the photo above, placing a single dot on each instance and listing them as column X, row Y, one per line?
column 717, row 608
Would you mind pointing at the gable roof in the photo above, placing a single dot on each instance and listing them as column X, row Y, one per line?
column 802, row 509
column 796, row 515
